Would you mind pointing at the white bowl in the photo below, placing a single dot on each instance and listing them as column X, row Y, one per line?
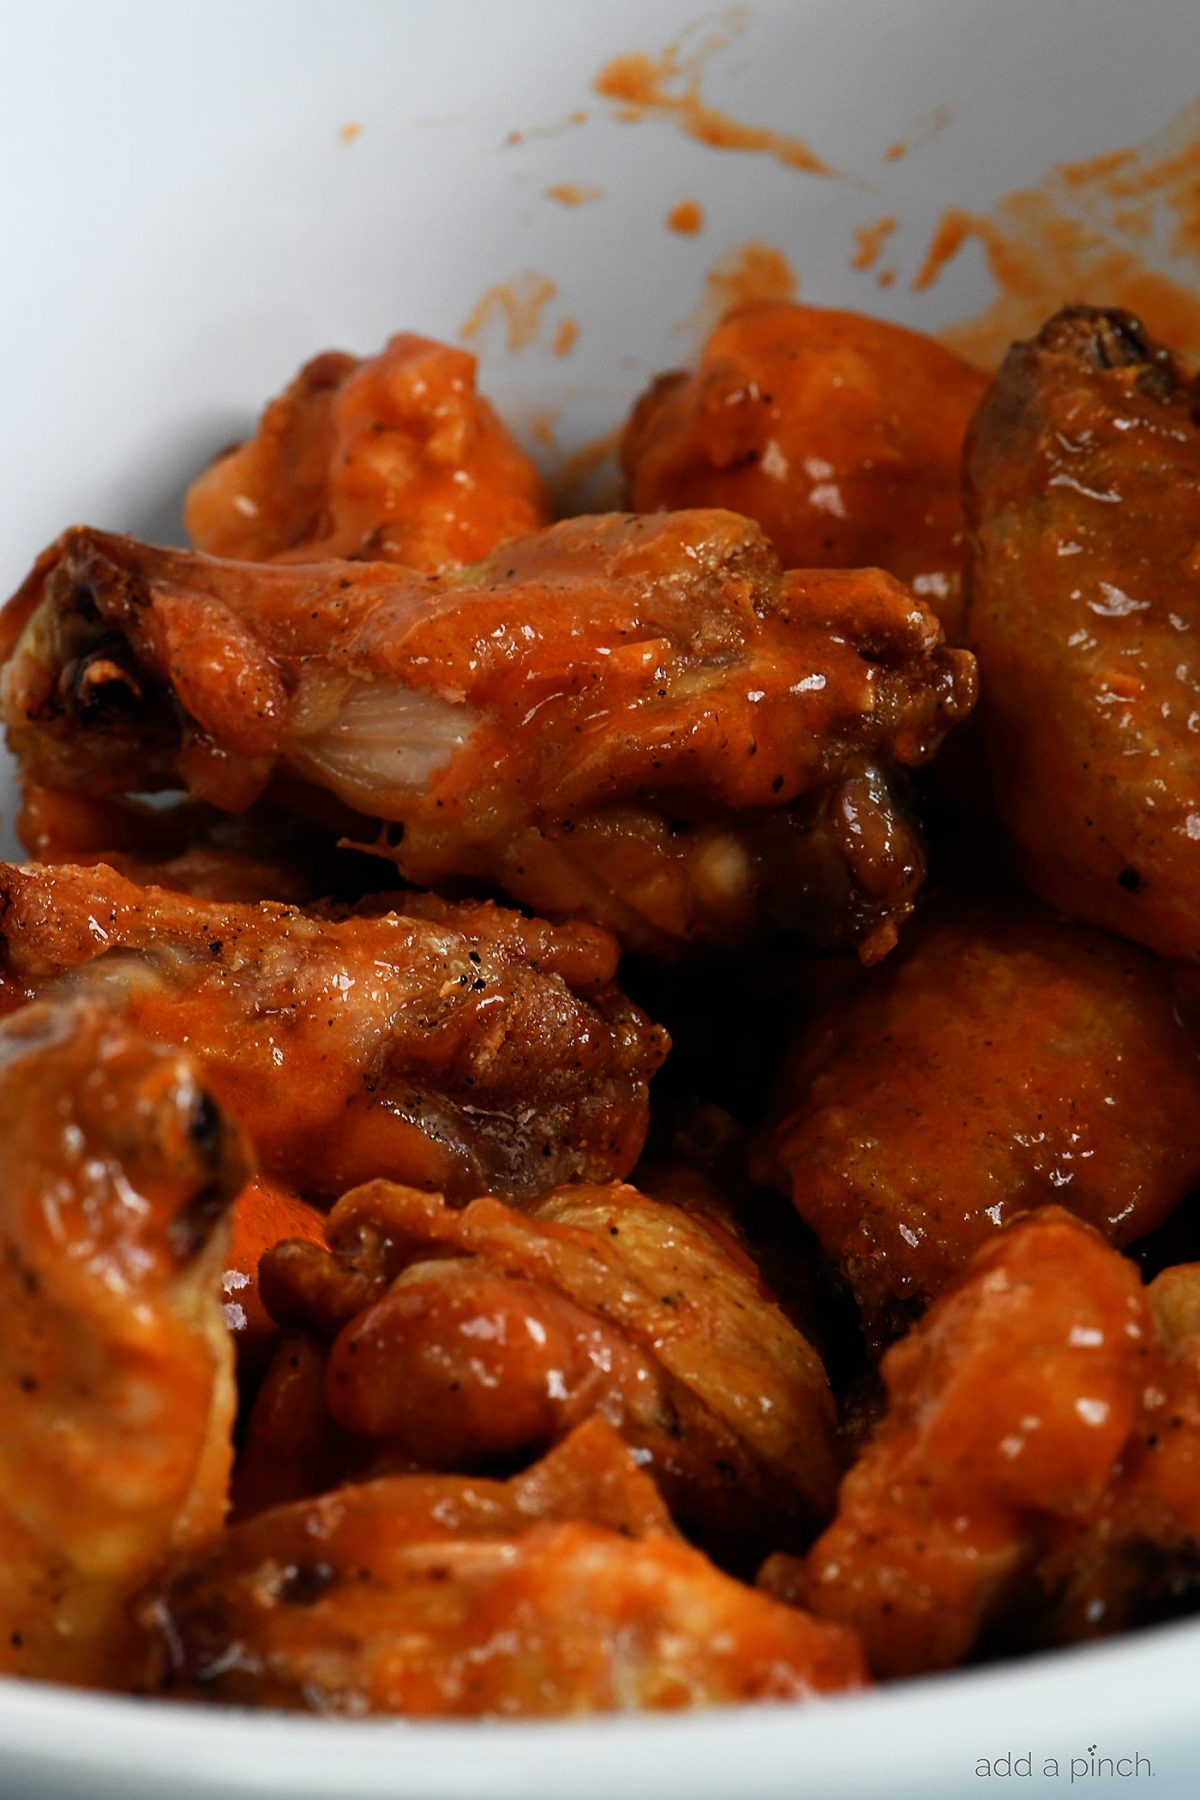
column 186, row 220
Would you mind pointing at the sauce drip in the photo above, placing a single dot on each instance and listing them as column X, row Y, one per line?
column 749, row 272
column 520, row 305
column 869, row 241
column 567, row 193
column 687, row 218
column 1095, row 230
column 669, row 85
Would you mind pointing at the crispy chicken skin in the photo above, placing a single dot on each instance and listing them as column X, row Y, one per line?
column 561, row 1591
column 1083, row 493
column 455, row 1046
column 842, row 435
column 1000, row 1059
column 464, row 1335
column 394, row 458
column 117, row 1369
column 637, row 720
column 1009, row 1407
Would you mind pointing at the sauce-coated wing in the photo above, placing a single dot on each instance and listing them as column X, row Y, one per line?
column 467, row 1335
column 1137, row 1558
column 638, row 720
column 999, row 1060
column 1083, row 491
column 1009, row 1406
column 454, row 1046
column 115, row 1365
column 561, row 1591
column 394, row 458
column 842, row 435
column 191, row 847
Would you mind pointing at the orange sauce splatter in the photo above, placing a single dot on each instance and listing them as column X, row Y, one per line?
column 687, row 218
column 566, row 336
column 869, row 241
column 1098, row 230
column 350, row 131
column 752, row 271
column 519, row 304
column 928, row 127
column 885, row 278
column 554, row 129
column 542, row 427
column 568, row 194
column 669, row 86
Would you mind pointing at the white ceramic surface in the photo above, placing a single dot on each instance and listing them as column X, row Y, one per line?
column 183, row 224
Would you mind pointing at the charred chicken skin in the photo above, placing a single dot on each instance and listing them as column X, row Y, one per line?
column 459, row 1336
column 117, row 1368
column 1083, row 492
column 841, row 435
column 394, row 458
column 642, row 721
column 458, row 1046
column 561, row 1591
column 999, row 1060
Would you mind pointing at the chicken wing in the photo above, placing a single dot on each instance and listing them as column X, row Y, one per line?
column 458, row 1047
column 1009, row 1407
column 1083, row 492
column 117, row 1369
column 641, row 721
column 999, row 1060
column 1136, row 1559
column 462, row 1336
column 841, row 435
column 394, row 458
column 193, row 848
column 562, row 1591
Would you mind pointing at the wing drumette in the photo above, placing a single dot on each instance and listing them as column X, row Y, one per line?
column 117, row 1368
column 1083, row 491
column 1037, row 1477
column 640, row 720
column 395, row 459
column 463, row 1335
column 999, row 1060
column 455, row 1046
column 561, row 1591
column 1009, row 1407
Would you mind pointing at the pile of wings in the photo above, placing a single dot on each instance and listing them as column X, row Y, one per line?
column 604, row 1114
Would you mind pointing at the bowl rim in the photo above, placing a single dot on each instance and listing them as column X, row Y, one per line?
column 1136, row 1694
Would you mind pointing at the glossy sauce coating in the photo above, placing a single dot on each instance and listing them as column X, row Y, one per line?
column 115, row 1366
column 263, row 1215
column 394, row 458
column 999, row 1060
column 562, row 1591
column 457, row 1046
column 460, row 1335
column 1009, row 1406
column 1083, row 489
column 637, row 720
column 841, row 435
